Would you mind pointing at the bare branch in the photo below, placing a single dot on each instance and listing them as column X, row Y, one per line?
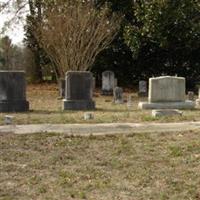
column 74, row 32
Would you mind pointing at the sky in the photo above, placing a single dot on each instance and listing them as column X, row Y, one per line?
column 15, row 31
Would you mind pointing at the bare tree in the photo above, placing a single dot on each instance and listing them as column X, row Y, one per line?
column 74, row 32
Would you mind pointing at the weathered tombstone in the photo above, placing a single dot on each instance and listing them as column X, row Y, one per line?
column 78, row 91
column 108, row 82
column 118, row 95
column 142, row 89
column 167, row 92
column 191, row 95
column 13, row 92
column 62, row 88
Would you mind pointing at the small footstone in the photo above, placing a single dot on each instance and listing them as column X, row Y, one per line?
column 166, row 112
column 8, row 119
column 88, row 116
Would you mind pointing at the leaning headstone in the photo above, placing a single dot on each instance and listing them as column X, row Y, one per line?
column 13, row 91
column 191, row 95
column 167, row 92
column 142, row 89
column 118, row 95
column 166, row 113
column 78, row 91
column 108, row 82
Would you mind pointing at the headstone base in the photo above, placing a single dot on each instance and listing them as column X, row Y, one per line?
column 14, row 106
column 167, row 105
column 78, row 105
column 166, row 112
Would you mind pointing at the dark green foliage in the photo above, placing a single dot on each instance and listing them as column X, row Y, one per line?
column 157, row 37
column 118, row 56
column 165, row 38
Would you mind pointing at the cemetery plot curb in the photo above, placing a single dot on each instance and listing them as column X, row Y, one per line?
column 100, row 129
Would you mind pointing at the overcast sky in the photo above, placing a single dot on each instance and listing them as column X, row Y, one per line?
column 15, row 32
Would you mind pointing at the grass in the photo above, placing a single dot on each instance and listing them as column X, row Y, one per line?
column 46, row 108
column 136, row 167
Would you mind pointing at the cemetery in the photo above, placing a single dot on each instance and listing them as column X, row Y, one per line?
column 99, row 100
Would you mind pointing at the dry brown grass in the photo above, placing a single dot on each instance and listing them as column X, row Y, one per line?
column 136, row 167
column 46, row 108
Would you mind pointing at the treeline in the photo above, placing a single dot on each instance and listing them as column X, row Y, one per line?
column 157, row 37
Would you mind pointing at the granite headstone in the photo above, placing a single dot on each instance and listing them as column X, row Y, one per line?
column 78, row 91
column 13, row 92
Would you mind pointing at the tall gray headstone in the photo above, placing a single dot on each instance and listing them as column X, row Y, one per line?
column 13, row 91
column 78, row 91
column 167, row 92
column 108, row 82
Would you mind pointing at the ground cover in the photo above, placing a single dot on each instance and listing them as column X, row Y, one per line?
column 135, row 167
column 47, row 108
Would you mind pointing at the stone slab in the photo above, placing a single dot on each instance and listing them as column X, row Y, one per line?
column 166, row 112
column 167, row 105
column 99, row 129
